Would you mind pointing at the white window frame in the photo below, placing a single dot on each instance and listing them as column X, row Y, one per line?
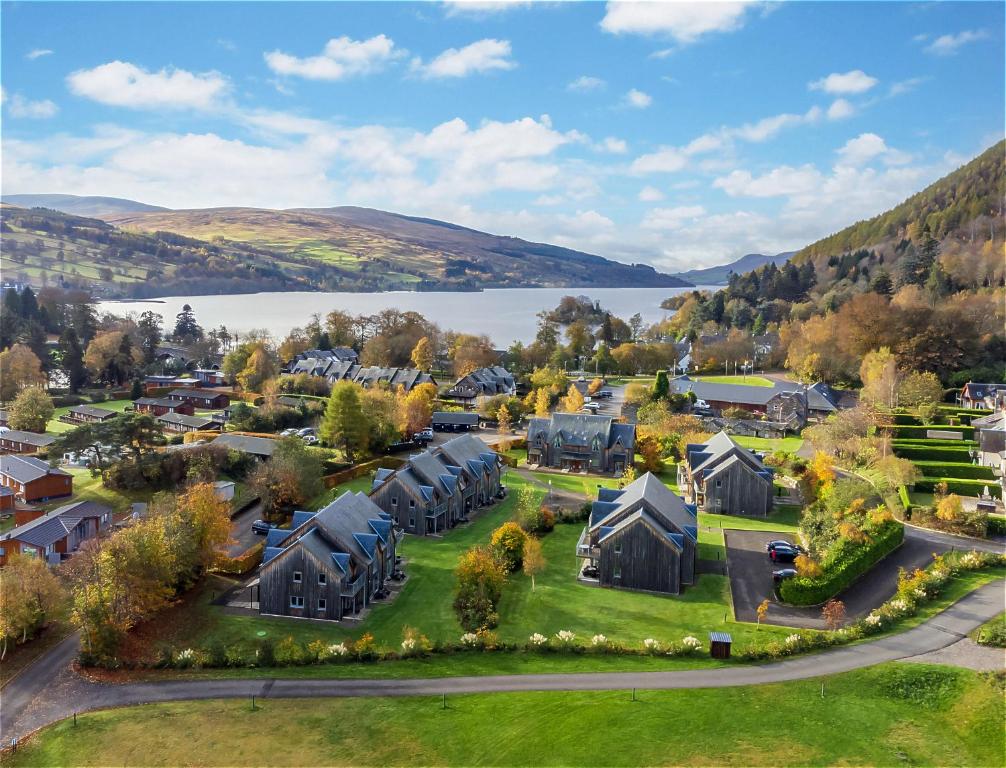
column 298, row 577
column 322, row 604
column 323, row 579
column 296, row 601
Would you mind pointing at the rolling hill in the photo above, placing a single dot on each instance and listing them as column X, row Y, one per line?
column 80, row 206
column 721, row 274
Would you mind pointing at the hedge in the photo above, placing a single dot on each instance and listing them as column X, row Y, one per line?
column 918, row 442
column 908, row 432
column 997, row 525
column 959, row 470
column 842, row 574
column 384, row 462
column 243, row 563
column 958, row 486
column 956, row 410
column 932, row 453
column 905, row 420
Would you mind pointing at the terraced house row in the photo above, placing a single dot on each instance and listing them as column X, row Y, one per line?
column 438, row 488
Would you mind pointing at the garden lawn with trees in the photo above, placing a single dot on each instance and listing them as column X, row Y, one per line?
column 894, row 713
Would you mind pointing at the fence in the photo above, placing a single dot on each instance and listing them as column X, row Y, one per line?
column 384, row 462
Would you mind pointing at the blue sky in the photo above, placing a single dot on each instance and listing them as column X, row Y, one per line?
column 679, row 135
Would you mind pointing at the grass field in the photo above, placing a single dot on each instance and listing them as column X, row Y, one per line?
column 55, row 426
column 88, row 488
column 751, row 381
column 770, row 444
column 889, row 715
column 558, row 602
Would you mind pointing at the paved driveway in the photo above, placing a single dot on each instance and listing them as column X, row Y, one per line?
column 241, row 531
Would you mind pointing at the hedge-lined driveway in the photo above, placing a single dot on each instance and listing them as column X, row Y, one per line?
column 750, row 573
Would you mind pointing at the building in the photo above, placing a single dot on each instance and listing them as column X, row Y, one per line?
column 335, row 370
column 201, row 398
column 438, row 488
column 784, row 402
column 163, row 382
column 7, row 501
column 454, row 421
column 641, row 537
column 482, row 383
column 3, row 417
column 990, row 396
column 261, row 447
column 308, row 360
column 209, row 377
column 158, row 406
column 34, row 480
column 581, row 442
column 330, row 564
column 56, row 535
column 17, row 441
column 179, row 422
column 990, row 432
column 88, row 414
column 723, row 477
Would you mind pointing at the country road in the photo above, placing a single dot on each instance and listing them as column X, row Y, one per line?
column 48, row 691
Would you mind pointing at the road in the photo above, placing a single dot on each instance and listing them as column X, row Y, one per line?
column 78, row 695
column 241, row 531
column 750, row 573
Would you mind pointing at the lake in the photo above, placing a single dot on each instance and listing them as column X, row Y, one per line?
column 505, row 314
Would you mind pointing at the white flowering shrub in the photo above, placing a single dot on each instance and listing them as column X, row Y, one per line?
column 873, row 620
column 538, row 640
column 565, row 637
column 336, row 650
column 185, row 658
column 651, row 645
column 599, row 641
column 793, row 640
column 469, row 639
column 690, row 644
column 409, row 644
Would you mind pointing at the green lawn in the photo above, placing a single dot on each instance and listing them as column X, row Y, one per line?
column 783, row 519
column 56, row 427
column 770, row 444
column 582, row 485
column 558, row 602
column 88, row 488
column 894, row 714
column 751, row 381
column 992, row 632
column 331, row 494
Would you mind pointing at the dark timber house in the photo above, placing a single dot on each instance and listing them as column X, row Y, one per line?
column 581, row 442
column 438, row 488
column 723, row 477
column 329, row 564
column 481, row 383
column 641, row 537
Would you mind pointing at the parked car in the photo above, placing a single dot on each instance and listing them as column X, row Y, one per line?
column 305, row 431
column 782, row 574
column 261, row 527
column 784, row 554
column 590, row 571
column 309, row 439
column 783, row 543
column 605, row 393
column 288, row 432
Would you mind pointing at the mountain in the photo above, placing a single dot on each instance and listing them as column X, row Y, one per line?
column 388, row 250
column 721, row 274
column 80, row 206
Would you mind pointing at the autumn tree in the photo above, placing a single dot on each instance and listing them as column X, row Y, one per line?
column 833, row 614
column 289, row 480
column 542, row 401
column 469, row 353
column 344, row 424
column 31, row 595
column 762, row 610
column 879, row 374
column 208, row 518
column 950, row 509
column 259, row 367
column 111, row 357
column 20, row 368
column 919, row 389
column 416, row 408
column 648, row 446
column 534, row 558
column 507, row 543
column 479, row 579
column 422, row 354
column 31, row 410
column 573, row 401
column 504, row 420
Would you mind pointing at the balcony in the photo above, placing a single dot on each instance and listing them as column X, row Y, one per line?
column 353, row 588
column 583, row 548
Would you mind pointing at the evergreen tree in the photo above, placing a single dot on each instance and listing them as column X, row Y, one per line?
column 882, row 283
column 661, row 386
column 72, row 359
column 149, row 328
column 136, row 390
column 186, row 327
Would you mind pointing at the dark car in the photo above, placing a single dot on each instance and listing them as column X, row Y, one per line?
column 783, row 543
column 784, row 554
column 782, row 574
column 261, row 527
column 590, row 571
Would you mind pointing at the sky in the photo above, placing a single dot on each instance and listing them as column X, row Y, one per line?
column 674, row 134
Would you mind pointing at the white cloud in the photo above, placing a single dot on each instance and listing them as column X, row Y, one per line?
column 855, row 81
column 948, row 45
column 782, row 181
column 685, row 22
column 18, row 106
column 121, row 84
column 481, row 7
column 862, row 149
column 767, row 127
column 650, row 194
column 481, row 56
column 614, row 146
column 671, row 218
column 664, row 160
column 38, row 53
column 638, row 99
column 662, row 53
column 341, row 58
column 585, row 83
column 840, row 109
column 906, row 86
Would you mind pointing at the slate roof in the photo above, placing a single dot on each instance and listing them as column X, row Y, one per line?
column 820, row 397
column 195, row 393
column 28, row 438
column 25, row 469
column 492, row 380
column 995, row 420
column 455, row 417
column 649, row 493
column 582, row 428
column 91, row 410
column 196, row 422
column 50, row 528
column 641, row 515
column 161, row 402
column 709, row 458
column 259, row 446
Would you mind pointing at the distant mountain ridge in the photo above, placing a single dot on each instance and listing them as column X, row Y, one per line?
column 362, row 249
column 720, row 275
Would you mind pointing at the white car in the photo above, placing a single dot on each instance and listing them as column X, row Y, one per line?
column 309, row 439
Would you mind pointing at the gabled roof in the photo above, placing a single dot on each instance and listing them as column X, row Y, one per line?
column 48, row 529
column 259, row 446
column 91, row 410
column 196, row 422
column 642, row 517
column 196, row 392
column 28, row 438
column 455, row 417
column 704, row 458
column 583, row 429
column 660, row 502
column 25, row 469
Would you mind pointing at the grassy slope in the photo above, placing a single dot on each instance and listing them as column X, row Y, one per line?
column 911, row 714
column 751, row 381
column 558, row 602
column 770, row 444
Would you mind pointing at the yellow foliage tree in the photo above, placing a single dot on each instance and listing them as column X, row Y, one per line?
column 422, row 354
column 542, row 400
column 573, row 401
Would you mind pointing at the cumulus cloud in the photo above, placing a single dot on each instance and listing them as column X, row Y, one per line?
column 481, row 7
column 684, row 22
column 38, row 53
column 862, row 149
column 638, row 99
column 664, row 160
column 948, row 45
column 855, row 81
column 585, row 83
column 122, row 84
column 19, row 106
column 671, row 218
column 614, row 146
column 342, row 57
column 782, row 181
column 650, row 194
column 478, row 57
column 840, row 109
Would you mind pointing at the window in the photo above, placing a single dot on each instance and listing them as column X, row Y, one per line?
column 322, row 604
column 323, row 579
column 394, row 501
column 618, row 547
column 296, row 601
column 719, row 483
column 298, row 577
column 617, row 573
column 412, row 521
column 412, row 503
